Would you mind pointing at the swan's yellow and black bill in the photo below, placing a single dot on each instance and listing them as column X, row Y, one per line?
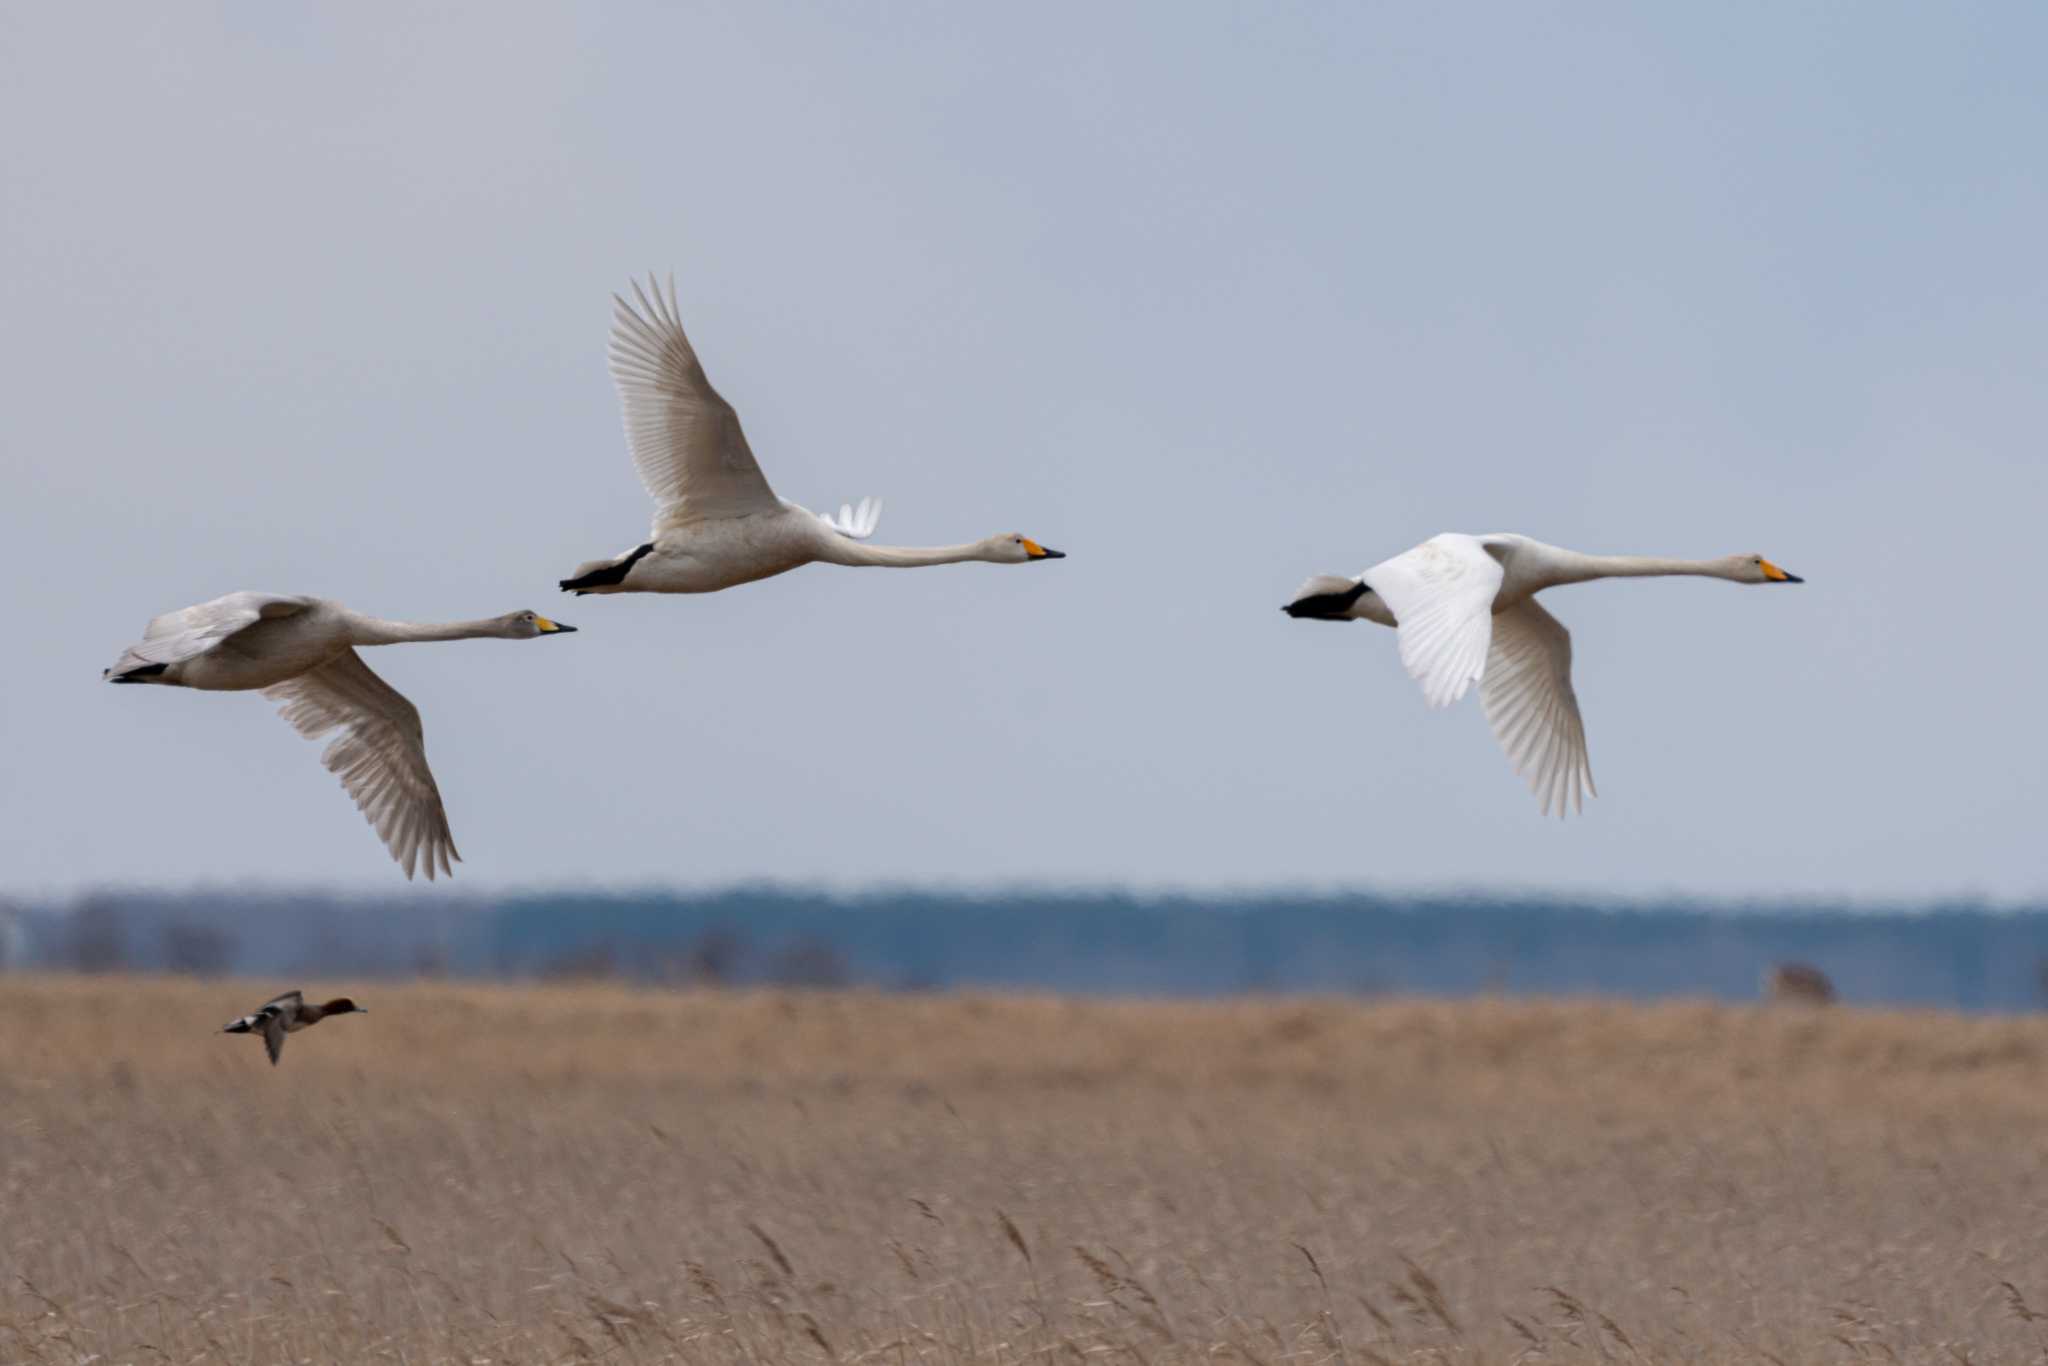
column 553, row 628
column 1039, row 552
column 1777, row 575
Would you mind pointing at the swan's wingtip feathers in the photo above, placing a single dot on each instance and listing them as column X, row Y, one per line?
column 646, row 310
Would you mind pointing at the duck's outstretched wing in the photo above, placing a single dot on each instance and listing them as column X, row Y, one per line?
column 270, row 1020
column 273, row 1036
column 1441, row 594
column 1528, row 698
column 685, row 438
column 856, row 522
column 192, row 631
column 380, row 756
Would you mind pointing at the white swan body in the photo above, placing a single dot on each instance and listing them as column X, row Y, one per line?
column 717, row 524
column 301, row 652
column 1466, row 612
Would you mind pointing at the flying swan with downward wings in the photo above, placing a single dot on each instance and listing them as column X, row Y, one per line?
column 1466, row 612
column 717, row 524
column 302, row 652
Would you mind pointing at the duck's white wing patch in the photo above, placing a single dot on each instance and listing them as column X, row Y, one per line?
column 192, row 631
column 856, row 522
column 1529, row 702
column 685, row 438
column 1441, row 594
column 380, row 756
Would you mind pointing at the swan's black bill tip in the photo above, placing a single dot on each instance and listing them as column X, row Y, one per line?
column 1045, row 554
column 609, row 575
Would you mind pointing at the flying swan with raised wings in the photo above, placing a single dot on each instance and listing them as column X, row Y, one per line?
column 302, row 652
column 1466, row 612
column 717, row 524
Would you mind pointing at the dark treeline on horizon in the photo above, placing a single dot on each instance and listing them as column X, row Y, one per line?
column 1103, row 942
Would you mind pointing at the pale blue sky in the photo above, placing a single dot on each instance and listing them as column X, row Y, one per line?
column 1209, row 296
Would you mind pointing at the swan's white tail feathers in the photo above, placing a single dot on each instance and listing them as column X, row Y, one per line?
column 856, row 522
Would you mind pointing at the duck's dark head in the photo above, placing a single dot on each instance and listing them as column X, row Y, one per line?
column 342, row 1005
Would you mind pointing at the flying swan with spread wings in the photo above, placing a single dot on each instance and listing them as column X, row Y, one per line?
column 716, row 522
column 1466, row 612
column 301, row 652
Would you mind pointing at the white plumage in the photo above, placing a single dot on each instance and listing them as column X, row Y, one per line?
column 856, row 522
column 300, row 652
column 717, row 524
column 1465, row 610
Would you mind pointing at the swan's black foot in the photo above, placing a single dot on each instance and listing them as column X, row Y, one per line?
column 1334, row 606
column 605, row 575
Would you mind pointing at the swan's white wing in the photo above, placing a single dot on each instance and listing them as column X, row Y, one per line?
column 1441, row 593
column 192, row 631
column 686, row 440
column 1529, row 702
column 856, row 523
column 380, row 756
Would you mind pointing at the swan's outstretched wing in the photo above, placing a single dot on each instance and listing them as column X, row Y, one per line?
column 380, row 756
column 686, row 440
column 856, row 523
column 1529, row 702
column 1441, row 593
column 192, row 631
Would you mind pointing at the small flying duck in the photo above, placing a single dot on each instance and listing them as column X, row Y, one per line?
column 286, row 1014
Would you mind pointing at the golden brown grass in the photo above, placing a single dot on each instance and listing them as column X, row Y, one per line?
column 498, row 1175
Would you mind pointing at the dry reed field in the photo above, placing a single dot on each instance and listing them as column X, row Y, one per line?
column 473, row 1175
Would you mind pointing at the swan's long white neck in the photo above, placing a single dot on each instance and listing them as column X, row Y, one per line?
column 1557, row 566
column 840, row 550
column 377, row 631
